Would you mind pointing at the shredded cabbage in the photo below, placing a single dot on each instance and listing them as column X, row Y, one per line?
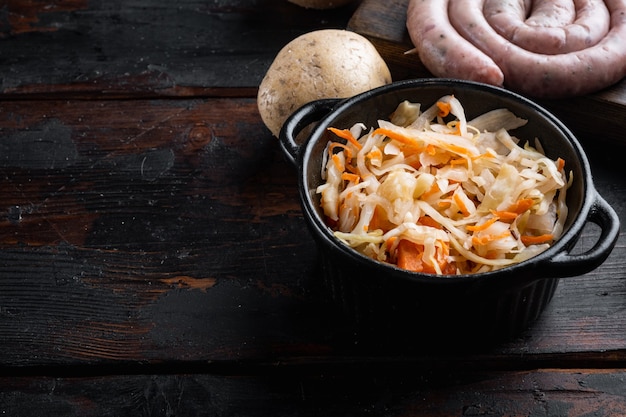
column 432, row 192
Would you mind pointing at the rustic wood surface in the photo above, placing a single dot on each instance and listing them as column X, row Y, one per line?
column 154, row 259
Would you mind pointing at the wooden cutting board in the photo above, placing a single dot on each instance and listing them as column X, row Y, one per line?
column 383, row 23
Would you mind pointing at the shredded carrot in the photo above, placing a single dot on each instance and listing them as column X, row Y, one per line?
column 491, row 254
column 461, row 205
column 351, row 177
column 505, row 216
column 560, row 163
column 374, row 154
column 346, row 151
column 396, row 136
column 486, row 239
column 489, row 154
column 430, row 222
column 534, row 240
column 347, row 135
column 338, row 164
column 443, row 259
column 413, row 161
column 389, row 242
column 514, row 210
column 410, row 257
column 458, row 149
column 521, row 205
column 379, row 220
column 433, row 190
column 352, row 169
column 444, row 109
column 458, row 161
column 482, row 226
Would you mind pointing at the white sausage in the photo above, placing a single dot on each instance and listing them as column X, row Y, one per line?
column 442, row 50
column 552, row 27
column 551, row 13
column 449, row 53
column 549, row 76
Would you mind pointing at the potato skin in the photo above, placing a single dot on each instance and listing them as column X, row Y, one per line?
column 321, row 4
column 328, row 63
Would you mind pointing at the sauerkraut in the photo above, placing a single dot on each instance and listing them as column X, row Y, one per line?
column 433, row 192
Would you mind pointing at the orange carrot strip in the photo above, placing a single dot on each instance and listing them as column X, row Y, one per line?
column 352, row 169
column 458, row 149
column 347, row 135
column 486, row 239
column 374, row 153
column 521, row 205
column 442, row 259
column 482, row 226
column 338, row 164
column 461, row 205
column 504, row 215
column 514, row 210
column 409, row 256
column 380, row 221
column 534, row 240
column 433, row 190
column 389, row 242
column 347, row 152
column 560, row 163
column 429, row 221
column 444, row 109
column 351, row 177
column 396, row 136
column 491, row 254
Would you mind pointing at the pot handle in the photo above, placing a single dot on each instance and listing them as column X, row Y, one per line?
column 565, row 264
column 305, row 115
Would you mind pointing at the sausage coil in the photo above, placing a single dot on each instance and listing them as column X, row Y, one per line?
column 541, row 48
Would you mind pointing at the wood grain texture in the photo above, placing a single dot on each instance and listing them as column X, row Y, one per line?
column 158, row 48
column 177, row 204
column 566, row 393
column 384, row 24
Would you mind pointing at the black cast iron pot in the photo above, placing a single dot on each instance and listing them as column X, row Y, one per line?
column 488, row 305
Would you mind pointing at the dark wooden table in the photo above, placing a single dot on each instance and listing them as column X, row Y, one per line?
column 154, row 259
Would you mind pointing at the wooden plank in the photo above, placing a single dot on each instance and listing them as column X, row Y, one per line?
column 173, row 226
column 597, row 115
column 543, row 392
column 174, row 233
column 112, row 48
column 384, row 24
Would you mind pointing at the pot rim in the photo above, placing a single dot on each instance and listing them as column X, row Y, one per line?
column 324, row 234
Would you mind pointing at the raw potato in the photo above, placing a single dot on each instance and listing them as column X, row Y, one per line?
column 328, row 63
column 320, row 4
